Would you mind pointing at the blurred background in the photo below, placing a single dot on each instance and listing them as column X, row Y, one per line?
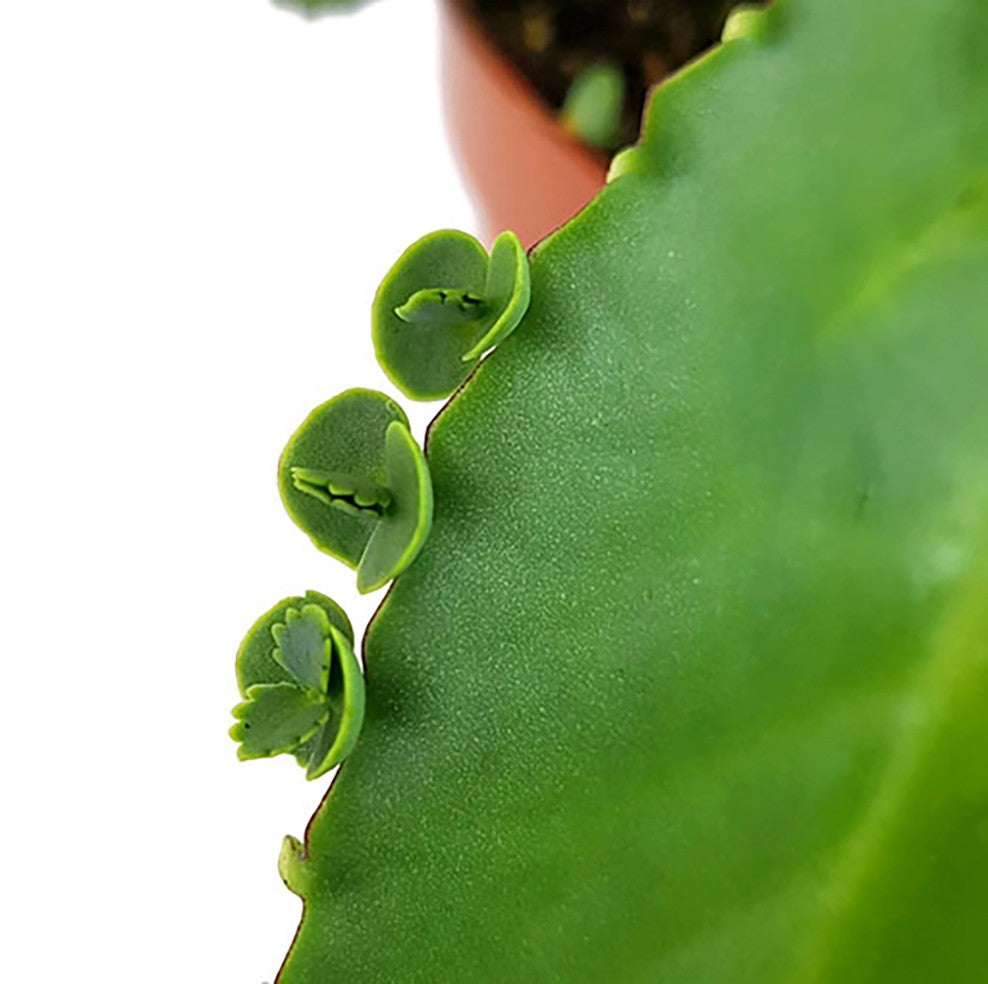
column 197, row 202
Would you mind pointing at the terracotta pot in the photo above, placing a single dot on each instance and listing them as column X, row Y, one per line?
column 524, row 171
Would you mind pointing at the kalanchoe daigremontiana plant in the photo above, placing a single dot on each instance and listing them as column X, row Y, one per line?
column 443, row 305
column 302, row 684
column 690, row 681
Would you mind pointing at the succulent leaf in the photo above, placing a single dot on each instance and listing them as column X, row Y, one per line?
column 276, row 718
column 691, row 684
column 255, row 658
column 316, row 8
column 507, row 292
column 336, row 738
column 592, row 108
column 438, row 306
column 743, row 21
column 303, row 646
column 292, row 865
column 403, row 529
column 352, row 495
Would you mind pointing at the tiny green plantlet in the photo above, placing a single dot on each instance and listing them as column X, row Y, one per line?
column 302, row 685
column 593, row 105
column 314, row 8
column 292, row 865
column 443, row 305
column 744, row 21
column 354, row 479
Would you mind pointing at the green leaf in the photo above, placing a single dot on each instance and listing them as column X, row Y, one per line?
column 276, row 718
column 744, row 21
column 593, row 105
column 316, row 8
column 336, row 738
column 303, row 646
column 352, row 495
column 255, row 658
column 423, row 359
column 440, row 307
column 690, row 681
column 342, row 441
column 293, row 866
column 507, row 292
column 444, row 304
column 403, row 528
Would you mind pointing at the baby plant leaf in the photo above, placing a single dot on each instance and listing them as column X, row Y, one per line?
column 275, row 718
column 744, row 21
column 255, row 658
column 507, row 292
column 370, row 487
column 593, row 105
column 423, row 357
column 352, row 495
column 690, row 683
column 332, row 466
column 403, row 528
column 444, row 304
column 315, row 714
column 303, row 646
column 437, row 306
column 293, row 866
column 315, row 8
column 336, row 738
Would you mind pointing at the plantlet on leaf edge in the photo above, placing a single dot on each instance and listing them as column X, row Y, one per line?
column 302, row 684
column 353, row 478
column 443, row 305
column 594, row 103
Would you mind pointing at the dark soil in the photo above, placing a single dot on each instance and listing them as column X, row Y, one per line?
column 549, row 41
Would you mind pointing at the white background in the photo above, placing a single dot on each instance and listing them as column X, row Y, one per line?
column 197, row 201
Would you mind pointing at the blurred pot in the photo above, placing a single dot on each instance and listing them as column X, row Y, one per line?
column 524, row 171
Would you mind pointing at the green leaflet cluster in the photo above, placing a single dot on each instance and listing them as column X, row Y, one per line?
column 302, row 684
column 353, row 478
column 443, row 305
